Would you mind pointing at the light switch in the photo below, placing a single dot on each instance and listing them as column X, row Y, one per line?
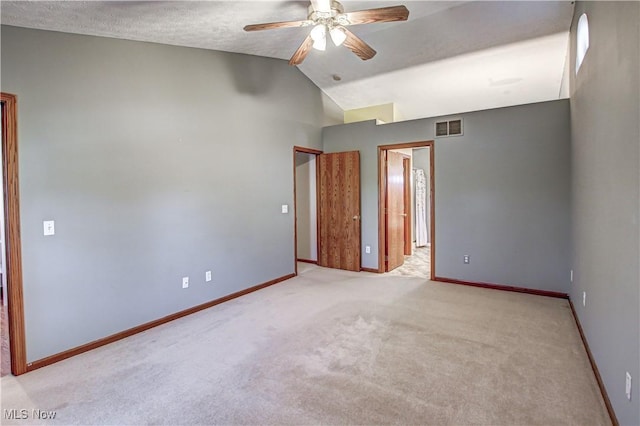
column 49, row 227
column 285, row 208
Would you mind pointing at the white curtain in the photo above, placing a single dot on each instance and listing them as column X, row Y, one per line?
column 422, row 232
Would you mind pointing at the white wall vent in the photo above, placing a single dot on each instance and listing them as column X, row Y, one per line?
column 449, row 128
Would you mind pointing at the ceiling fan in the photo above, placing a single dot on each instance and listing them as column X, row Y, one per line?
column 328, row 16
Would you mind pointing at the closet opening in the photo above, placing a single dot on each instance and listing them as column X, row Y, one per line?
column 305, row 205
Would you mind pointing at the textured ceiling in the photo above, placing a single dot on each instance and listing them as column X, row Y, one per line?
column 448, row 57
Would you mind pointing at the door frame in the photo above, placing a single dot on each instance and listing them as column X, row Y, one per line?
column 382, row 195
column 316, row 152
column 13, row 268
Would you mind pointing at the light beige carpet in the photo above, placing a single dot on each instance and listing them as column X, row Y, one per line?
column 334, row 347
column 5, row 355
column 418, row 264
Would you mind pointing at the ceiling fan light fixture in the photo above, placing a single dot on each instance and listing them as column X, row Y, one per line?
column 320, row 44
column 319, row 37
column 319, row 32
column 338, row 36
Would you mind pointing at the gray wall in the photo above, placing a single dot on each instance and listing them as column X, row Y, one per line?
column 306, row 209
column 501, row 192
column 605, row 112
column 156, row 162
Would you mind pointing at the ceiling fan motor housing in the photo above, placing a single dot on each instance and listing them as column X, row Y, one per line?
column 331, row 18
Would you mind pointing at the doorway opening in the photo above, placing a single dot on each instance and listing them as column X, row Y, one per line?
column 406, row 231
column 337, row 210
column 305, row 206
column 12, row 262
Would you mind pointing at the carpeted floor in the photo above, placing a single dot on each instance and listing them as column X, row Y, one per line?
column 5, row 356
column 418, row 264
column 334, row 347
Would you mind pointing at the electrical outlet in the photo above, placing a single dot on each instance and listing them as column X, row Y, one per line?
column 367, row 249
column 571, row 275
column 584, row 298
column 627, row 386
column 466, row 259
column 185, row 282
column 207, row 276
column 285, row 208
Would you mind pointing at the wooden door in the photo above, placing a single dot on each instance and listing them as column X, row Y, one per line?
column 408, row 241
column 395, row 215
column 339, row 210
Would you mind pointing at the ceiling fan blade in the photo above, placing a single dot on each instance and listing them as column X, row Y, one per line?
column 357, row 46
column 273, row 25
column 302, row 51
column 383, row 14
column 321, row 5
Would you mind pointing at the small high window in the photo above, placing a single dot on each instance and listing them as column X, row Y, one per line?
column 582, row 40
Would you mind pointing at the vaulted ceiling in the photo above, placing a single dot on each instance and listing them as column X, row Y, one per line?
column 449, row 57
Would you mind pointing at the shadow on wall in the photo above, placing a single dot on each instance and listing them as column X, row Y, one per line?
column 248, row 79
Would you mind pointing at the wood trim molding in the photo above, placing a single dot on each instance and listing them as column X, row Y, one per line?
column 594, row 367
column 317, row 209
column 432, row 206
column 382, row 178
column 17, row 343
column 382, row 196
column 503, row 287
column 307, row 150
column 295, row 213
column 146, row 326
column 315, row 262
column 403, row 145
column 375, row 271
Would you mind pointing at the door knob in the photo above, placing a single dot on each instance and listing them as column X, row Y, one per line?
column 356, row 217
column 403, row 214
